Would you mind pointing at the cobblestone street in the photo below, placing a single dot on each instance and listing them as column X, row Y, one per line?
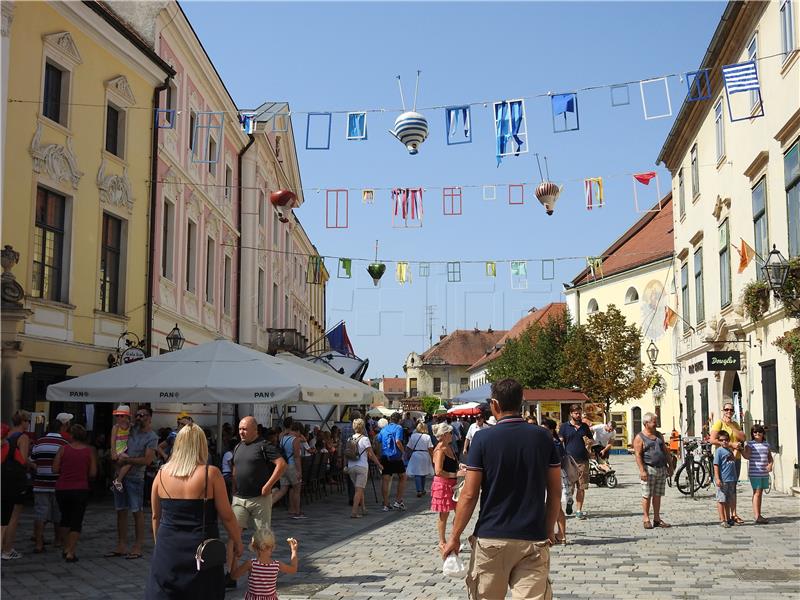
column 394, row 555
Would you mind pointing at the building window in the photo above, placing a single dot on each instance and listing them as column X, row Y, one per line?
column 631, row 296
column 704, row 414
column 171, row 103
column 752, row 54
column 48, row 251
column 787, row 27
column 769, row 395
column 791, row 175
column 689, row 411
column 212, row 154
column 412, row 387
column 260, row 293
column 286, row 245
column 275, row 295
column 262, row 210
column 226, row 290
column 110, row 264
column 228, row 184
column 724, row 265
column 115, row 130
column 191, row 258
column 286, row 311
column 760, row 229
column 275, row 236
column 592, row 307
column 56, row 93
column 685, row 315
column 437, row 385
column 695, row 172
column 681, row 193
column 699, row 292
column 719, row 129
column 464, row 384
column 167, row 239
column 192, row 126
column 210, row 270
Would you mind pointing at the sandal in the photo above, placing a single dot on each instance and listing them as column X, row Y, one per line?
column 738, row 520
column 761, row 520
column 660, row 523
column 647, row 525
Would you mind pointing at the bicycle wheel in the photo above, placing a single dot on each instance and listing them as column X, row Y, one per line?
column 708, row 473
column 684, row 483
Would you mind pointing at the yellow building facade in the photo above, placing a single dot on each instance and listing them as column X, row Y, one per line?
column 76, row 195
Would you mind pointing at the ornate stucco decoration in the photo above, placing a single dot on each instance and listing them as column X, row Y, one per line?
column 56, row 161
column 115, row 190
column 63, row 42
column 120, row 87
column 720, row 205
column 12, row 292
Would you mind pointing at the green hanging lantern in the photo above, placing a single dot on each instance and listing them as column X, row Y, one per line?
column 376, row 271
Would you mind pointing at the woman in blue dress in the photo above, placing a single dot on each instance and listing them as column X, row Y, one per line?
column 184, row 489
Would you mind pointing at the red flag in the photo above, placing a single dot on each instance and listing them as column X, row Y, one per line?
column 644, row 177
column 670, row 317
column 746, row 255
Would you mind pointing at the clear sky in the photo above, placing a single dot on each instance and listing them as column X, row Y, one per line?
column 345, row 56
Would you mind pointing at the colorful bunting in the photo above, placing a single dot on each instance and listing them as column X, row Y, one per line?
column 407, row 207
column 491, row 268
column 356, row 126
column 345, row 268
column 337, row 209
column 519, row 275
column 593, row 192
column 698, row 85
column 516, row 193
column 318, row 130
column 645, row 179
column 424, row 269
column 670, row 318
column 367, row 196
column 562, row 104
column 402, row 273
column 451, row 201
column 454, row 134
column 314, row 269
column 510, row 128
column 453, row 272
column 743, row 77
column 489, row 192
column 650, row 83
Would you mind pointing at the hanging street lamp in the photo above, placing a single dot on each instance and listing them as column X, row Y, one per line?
column 175, row 339
column 776, row 269
column 652, row 353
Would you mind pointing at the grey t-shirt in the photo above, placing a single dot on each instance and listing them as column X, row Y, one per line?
column 138, row 442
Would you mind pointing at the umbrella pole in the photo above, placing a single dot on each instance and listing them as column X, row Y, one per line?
column 220, row 449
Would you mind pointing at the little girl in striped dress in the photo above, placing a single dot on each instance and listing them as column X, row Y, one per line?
column 263, row 571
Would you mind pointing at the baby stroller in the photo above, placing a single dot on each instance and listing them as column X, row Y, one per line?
column 603, row 477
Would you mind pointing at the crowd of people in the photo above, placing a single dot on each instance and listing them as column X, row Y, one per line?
column 529, row 478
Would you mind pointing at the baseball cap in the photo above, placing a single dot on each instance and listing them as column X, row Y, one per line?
column 123, row 409
column 64, row 417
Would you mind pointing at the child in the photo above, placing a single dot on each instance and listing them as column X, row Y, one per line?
column 263, row 570
column 725, row 478
column 758, row 453
column 119, row 442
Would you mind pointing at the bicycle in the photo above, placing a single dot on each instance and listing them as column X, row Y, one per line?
column 695, row 473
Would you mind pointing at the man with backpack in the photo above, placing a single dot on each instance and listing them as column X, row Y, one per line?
column 257, row 467
column 391, row 440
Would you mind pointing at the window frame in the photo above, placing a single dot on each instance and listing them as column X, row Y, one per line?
column 262, row 209
column 752, row 54
column 211, row 269
column 228, row 190
column 110, row 288
column 260, row 293
column 699, row 286
column 212, row 151
column 681, row 193
column 631, row 298
column 60, row 50
column 275, row 306
column 724, row 251
column 437, row 385
column 592, row 308
column 719, row 129
column 227, row 282
column 690, row 424
column 685, row 308
column 762, row 249
column 190, row 262
column 787, row 27
column 61, row 106
column 168, row 239
column 60, row 237
column 119, row 135
column 791, row 184
column 695, row 168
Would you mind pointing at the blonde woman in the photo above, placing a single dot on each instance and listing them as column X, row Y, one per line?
column 184, row 489
column 358, row 468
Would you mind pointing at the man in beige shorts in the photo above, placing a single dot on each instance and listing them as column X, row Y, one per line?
column 257, row 467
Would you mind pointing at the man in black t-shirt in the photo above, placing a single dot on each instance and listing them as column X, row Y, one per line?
column 574, row 434
column 257, row 467
column 515, row 469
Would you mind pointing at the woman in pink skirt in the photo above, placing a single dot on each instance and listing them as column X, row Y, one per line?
column 445, row 467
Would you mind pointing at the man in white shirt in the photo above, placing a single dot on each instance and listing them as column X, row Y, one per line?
column 603, row 436
column 480, row 423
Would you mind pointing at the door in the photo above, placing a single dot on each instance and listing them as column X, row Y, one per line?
column 620, row 421
column 769, row 395
column 636, row 418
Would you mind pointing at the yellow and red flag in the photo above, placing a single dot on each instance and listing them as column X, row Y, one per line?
column 670, row 318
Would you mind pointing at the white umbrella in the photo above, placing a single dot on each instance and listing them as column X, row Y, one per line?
column 369, row 395
column 219, row 371
column 468, row 408
column 380, row 411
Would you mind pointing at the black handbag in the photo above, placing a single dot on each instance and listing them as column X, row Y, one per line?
column 211, row 552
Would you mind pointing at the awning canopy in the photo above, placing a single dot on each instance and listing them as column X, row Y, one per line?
column 482, row 393
column 467, row 409
column 219, row 371
column 369, row 394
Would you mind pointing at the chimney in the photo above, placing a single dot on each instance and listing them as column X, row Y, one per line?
column 442, row 336
column 490, row 330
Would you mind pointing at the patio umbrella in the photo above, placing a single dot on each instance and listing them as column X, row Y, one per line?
column 219, row 371
column 369, row 394
column 468, row 408
column 380, row 411
column 482, row 393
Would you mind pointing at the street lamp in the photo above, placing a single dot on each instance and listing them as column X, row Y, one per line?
column 175, row 339
column 652, row 353
column 776, row 269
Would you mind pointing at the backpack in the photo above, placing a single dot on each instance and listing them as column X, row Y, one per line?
column 388, row 437
column 351, row 448
column 14, row 474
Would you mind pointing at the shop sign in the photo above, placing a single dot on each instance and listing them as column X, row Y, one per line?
column 728, row 360
column 132, row 354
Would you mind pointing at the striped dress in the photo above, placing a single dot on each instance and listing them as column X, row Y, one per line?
column 759, row 459
column 263, row 581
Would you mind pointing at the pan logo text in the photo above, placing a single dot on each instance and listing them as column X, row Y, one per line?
column 168, row 394
column 79, row 394
column 263, row 394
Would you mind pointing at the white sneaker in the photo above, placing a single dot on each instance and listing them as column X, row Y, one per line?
column 398, row 505
column 12, row 555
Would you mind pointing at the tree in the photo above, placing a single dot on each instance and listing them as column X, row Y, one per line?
column 429, row 404
column 603, row 358
column 535, row 358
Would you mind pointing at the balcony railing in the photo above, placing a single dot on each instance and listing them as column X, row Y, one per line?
column 286, row 340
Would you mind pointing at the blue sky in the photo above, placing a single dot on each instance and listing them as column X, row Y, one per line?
column 345, row 56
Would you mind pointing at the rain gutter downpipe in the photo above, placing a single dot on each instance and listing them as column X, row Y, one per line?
column 240, row 193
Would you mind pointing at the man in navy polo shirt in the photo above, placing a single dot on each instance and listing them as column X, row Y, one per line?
column 515, row 469
column 574, row 435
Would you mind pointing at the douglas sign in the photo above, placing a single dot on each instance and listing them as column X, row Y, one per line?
column 724, row 361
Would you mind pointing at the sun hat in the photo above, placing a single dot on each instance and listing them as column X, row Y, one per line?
column 123, row 409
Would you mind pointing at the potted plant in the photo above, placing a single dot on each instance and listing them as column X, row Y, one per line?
column 789, row 343
column 790, row 290
column 755, row 300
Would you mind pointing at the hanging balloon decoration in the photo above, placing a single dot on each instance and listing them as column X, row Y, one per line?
column 411, row 127
column 376, row 269
column 547, row 192
column 283, row 201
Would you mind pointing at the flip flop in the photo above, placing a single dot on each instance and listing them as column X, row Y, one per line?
column 114, row 554
column 133, row 556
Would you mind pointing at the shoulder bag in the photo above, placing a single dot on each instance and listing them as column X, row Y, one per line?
column 211, row 552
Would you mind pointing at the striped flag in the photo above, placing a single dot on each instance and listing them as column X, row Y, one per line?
column 740, row 77
column 670, row 318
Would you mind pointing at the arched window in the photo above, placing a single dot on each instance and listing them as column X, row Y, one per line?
column 631, row 295
column 592, row 306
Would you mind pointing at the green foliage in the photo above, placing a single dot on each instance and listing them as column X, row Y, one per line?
column 535, row 358
column 755, row 300
column 429, row 404
column 789, row 342
column 603, row 358
column 790, row 290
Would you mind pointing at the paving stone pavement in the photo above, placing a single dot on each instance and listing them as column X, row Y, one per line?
column 394, row 555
